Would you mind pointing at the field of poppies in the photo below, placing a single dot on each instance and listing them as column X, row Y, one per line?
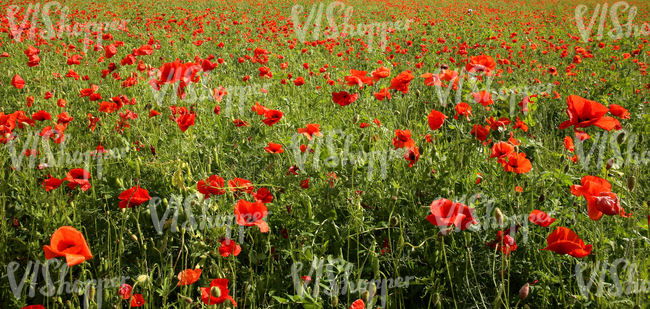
column 305, row 154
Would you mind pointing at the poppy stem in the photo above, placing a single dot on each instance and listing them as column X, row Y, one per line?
column 451, row 283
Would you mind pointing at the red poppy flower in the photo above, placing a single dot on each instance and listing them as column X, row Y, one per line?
column 343, row 98
column 566, row 241
column 228, row 247
column 188, row 276
column 412, row 155
column 483, row 97
column 33, row 307
column 358, row 78
column 185, row 121
column 251, row 214
column 125, row 291
column 217, row 293
column 436, row 119
column 520, row 125
column 311, row 131
column 403, row 139
column 505, row 243
column 600, row 198
column 382, row 94
column 482, row 63
column 259, row 109
column 41, row 116
column 401, row 82
column 358, row 304
column 69, row 243
column 137, row 300
column 568, row 143
column 274, row 148
column 619, row 111
column 240, row 185
column 263, row 195
column 496, row 124
column 153, row 113
column 18, row 82
column 52, row 183
column 78, row 177
column 380, row 73
column 299, row 81
column 540, row 218
column 445, row 213
column 516, row 163
column 584, row 113
column 480, row 132
column 376, row 121
column 463, row 109
column 500, row 150
column 63, row 118
column 134, row 197
column 272, row 117
column 305, row 184
column 213, row 186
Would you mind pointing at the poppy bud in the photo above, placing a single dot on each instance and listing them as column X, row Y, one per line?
column 119, row 182
column 335, row 301
column 417, row 93
column 562, row 157
column 142, row 279
column 631, row 183
column 620, row 138
column 187, row 299
column 610, row 163
column 542, row 198
column 355, row 119
column 91, row 294
column 135, row 238
column 361, row 137
column 215, row 291
column 499, row 216
column 364, row 296
column 394, row 221
column 523, row 292
column 566, row 168
column 526, row 307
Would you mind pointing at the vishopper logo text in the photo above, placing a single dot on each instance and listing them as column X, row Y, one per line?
column 332, row 32
column 80, row 287
column 178, row 205
column 617, row 31
column 616, row 288
column 17, row 27
column 338, row 273
column 64, row 157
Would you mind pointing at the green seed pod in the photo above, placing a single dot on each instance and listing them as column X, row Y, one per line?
column 120, row 182
column 394, row 221
column 631, row 183
column 364, row 296
column 137, row 168
column 375, row 265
